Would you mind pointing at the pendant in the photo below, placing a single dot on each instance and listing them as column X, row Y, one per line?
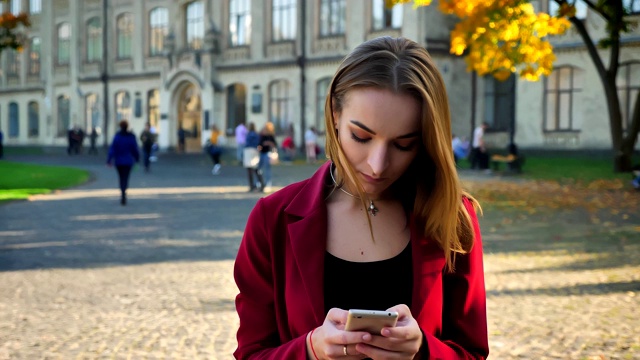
column 373, row 210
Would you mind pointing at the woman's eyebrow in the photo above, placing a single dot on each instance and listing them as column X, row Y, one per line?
column 365, row 128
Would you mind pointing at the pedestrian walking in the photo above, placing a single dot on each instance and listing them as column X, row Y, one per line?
column 384, row 225
column 147, row 139
column 267, row 145
column 93, row 138
column 241, row 139
column 124, row 153
column 214, row 149
column 479, row 154
column 251, row 159
column 182, row 134
column 311, row 143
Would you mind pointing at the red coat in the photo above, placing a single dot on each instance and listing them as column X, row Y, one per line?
column 279, row 272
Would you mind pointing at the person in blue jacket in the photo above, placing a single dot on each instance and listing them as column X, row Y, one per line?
column 124, row 153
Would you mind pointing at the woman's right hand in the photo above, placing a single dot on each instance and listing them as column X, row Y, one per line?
column 330, row 339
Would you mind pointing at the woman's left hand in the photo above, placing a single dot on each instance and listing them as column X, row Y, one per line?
column 400, row 342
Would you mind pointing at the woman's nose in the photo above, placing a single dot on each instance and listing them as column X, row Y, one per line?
column 378, row 158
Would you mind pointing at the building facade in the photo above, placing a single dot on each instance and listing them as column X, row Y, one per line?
column 191, row 64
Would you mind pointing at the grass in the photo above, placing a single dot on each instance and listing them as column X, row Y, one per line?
column 568, row 168
column 580, row 169
column 19, row 181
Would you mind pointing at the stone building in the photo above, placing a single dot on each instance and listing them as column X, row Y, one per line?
column 190, row 64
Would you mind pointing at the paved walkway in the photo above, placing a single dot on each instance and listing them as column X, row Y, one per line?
column 83, row 277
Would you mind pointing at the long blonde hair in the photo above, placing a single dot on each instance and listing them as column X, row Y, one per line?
column 430, row 188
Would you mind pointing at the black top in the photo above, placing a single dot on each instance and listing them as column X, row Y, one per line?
column 376, row 285
column 263, row 142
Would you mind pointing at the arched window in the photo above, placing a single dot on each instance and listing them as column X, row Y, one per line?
column 35, row 6
column 560, row 91
column 283, row 20
column 64, row 43
column 158, row 29
column 13, row 63
column 322, row 86
column 280, row 104
column 92, row 112
column 34, row 57
column 385, row 18
column 195, row 25
column 34, row 119
column 64, row 115
column 153, row 107
column 332, row 17
column 124, row 26
column 94, row 40
column 123, row 106
column 14, row 120
column 239, row 22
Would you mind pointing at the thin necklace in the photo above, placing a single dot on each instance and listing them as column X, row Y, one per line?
column 372, row 209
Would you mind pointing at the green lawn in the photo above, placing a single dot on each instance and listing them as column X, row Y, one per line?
column 19, row 180
column 579, row 169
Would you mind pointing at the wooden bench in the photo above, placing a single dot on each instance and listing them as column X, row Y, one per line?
column 514, row 163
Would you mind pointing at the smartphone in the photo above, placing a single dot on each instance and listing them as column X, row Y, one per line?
column 371, row 321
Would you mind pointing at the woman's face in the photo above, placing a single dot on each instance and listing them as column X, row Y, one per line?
column 379, row 132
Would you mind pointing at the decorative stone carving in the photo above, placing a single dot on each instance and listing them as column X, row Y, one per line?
column 284, row 50
column 237, row 53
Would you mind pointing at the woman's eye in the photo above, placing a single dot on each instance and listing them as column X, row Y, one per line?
column 408, row 147
column 357, row 139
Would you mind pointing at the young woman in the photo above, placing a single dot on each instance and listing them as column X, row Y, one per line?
column 267, row 143
column 124, row 153
column 384, row 225
column 214, row 149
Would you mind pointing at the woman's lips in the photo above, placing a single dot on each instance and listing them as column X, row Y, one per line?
column 372, row 180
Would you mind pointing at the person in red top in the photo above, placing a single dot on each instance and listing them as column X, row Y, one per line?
column 383, row 225
column 289, row 148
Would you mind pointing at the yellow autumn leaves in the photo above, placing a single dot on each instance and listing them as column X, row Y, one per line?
column 504, row 36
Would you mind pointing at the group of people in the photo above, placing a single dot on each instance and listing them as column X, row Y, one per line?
column 257, row 152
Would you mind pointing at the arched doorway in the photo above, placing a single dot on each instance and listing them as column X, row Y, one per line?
column 189, row 115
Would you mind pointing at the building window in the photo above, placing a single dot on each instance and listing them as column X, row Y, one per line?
column 16, row 6
column 559, row 97
column 283, row 20
column 581, row 8
column 35, row 6
column 125, row 35
column 94, row 40
column 14, row 120
column 123, row 106
column 195, row 25
column 64, row 115
column 280, row 104
column 332, row 17
column 322, row 87
column 499, row 102
column 34, row 57
column 633, row 6
column 385, row 18
column 628, row 87
column 158, row 29
column 64, row 42
column 92, row 113
column 239, row 22
column 13, row 64
column 153, row 107
column 34, row 119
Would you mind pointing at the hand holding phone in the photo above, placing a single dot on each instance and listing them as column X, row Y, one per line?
column 371, row 321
